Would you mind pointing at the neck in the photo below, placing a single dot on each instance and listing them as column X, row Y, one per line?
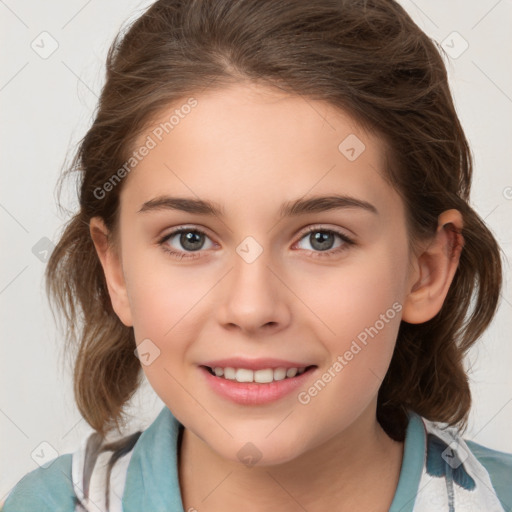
column 362, row 474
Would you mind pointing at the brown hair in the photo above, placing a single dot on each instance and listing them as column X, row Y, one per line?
column 366, row 57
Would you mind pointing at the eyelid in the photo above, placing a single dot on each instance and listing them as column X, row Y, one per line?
column 180, row 229
column 323, row 227
column 185, row 227
column 346, row 242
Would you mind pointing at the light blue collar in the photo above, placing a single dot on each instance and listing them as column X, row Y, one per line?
column 412, row 465
column 152, row 477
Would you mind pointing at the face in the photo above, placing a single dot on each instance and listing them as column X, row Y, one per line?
column 276, row 279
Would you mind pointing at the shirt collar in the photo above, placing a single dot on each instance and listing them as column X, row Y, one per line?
column 152, row 478
column 412, row 465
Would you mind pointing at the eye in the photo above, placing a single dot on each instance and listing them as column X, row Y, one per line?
column 322, row 241
column 192, row 240
column 189, row 239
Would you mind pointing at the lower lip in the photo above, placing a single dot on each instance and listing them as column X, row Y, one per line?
column 251, row 393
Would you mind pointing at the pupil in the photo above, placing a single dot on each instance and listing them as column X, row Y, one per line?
column 321, row 240
column 188, row 239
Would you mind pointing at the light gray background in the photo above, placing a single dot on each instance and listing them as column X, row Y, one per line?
column 46, row 107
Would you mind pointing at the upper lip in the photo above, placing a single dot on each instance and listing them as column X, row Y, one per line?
column 254, row 364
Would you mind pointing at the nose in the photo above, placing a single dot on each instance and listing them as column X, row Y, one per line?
column 253, row 297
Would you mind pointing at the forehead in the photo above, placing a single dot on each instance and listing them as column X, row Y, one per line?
column 252, row 143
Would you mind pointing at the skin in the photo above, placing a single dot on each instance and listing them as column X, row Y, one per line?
column 250, row 148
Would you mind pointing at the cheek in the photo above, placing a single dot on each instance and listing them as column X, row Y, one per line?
column 162, row 302
column 169, row 305
column 353, row 296
column 162, row 294
column 364, row 323
column 360, row 306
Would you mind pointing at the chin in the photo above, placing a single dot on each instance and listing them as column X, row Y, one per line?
column 257, row 450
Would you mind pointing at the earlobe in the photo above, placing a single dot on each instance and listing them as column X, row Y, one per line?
column 435, row 269
column 113, row 270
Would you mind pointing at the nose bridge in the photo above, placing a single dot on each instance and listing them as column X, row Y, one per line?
column 251, row 276
column 253, row 296
column 257, row 269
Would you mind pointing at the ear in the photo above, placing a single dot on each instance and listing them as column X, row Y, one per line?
column 434, row 270
column 113, row 269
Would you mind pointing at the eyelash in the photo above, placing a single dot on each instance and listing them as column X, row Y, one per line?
column 179, row 255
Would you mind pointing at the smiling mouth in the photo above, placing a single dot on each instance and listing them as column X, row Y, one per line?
column 263, row 376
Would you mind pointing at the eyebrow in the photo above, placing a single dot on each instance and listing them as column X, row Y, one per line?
column 288, row 209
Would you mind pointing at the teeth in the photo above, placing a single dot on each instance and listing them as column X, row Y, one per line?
column 260, row 376
column 243, row 375
column 280, row 373
column 291, row 372
column 264, row 376
column 229, row 373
